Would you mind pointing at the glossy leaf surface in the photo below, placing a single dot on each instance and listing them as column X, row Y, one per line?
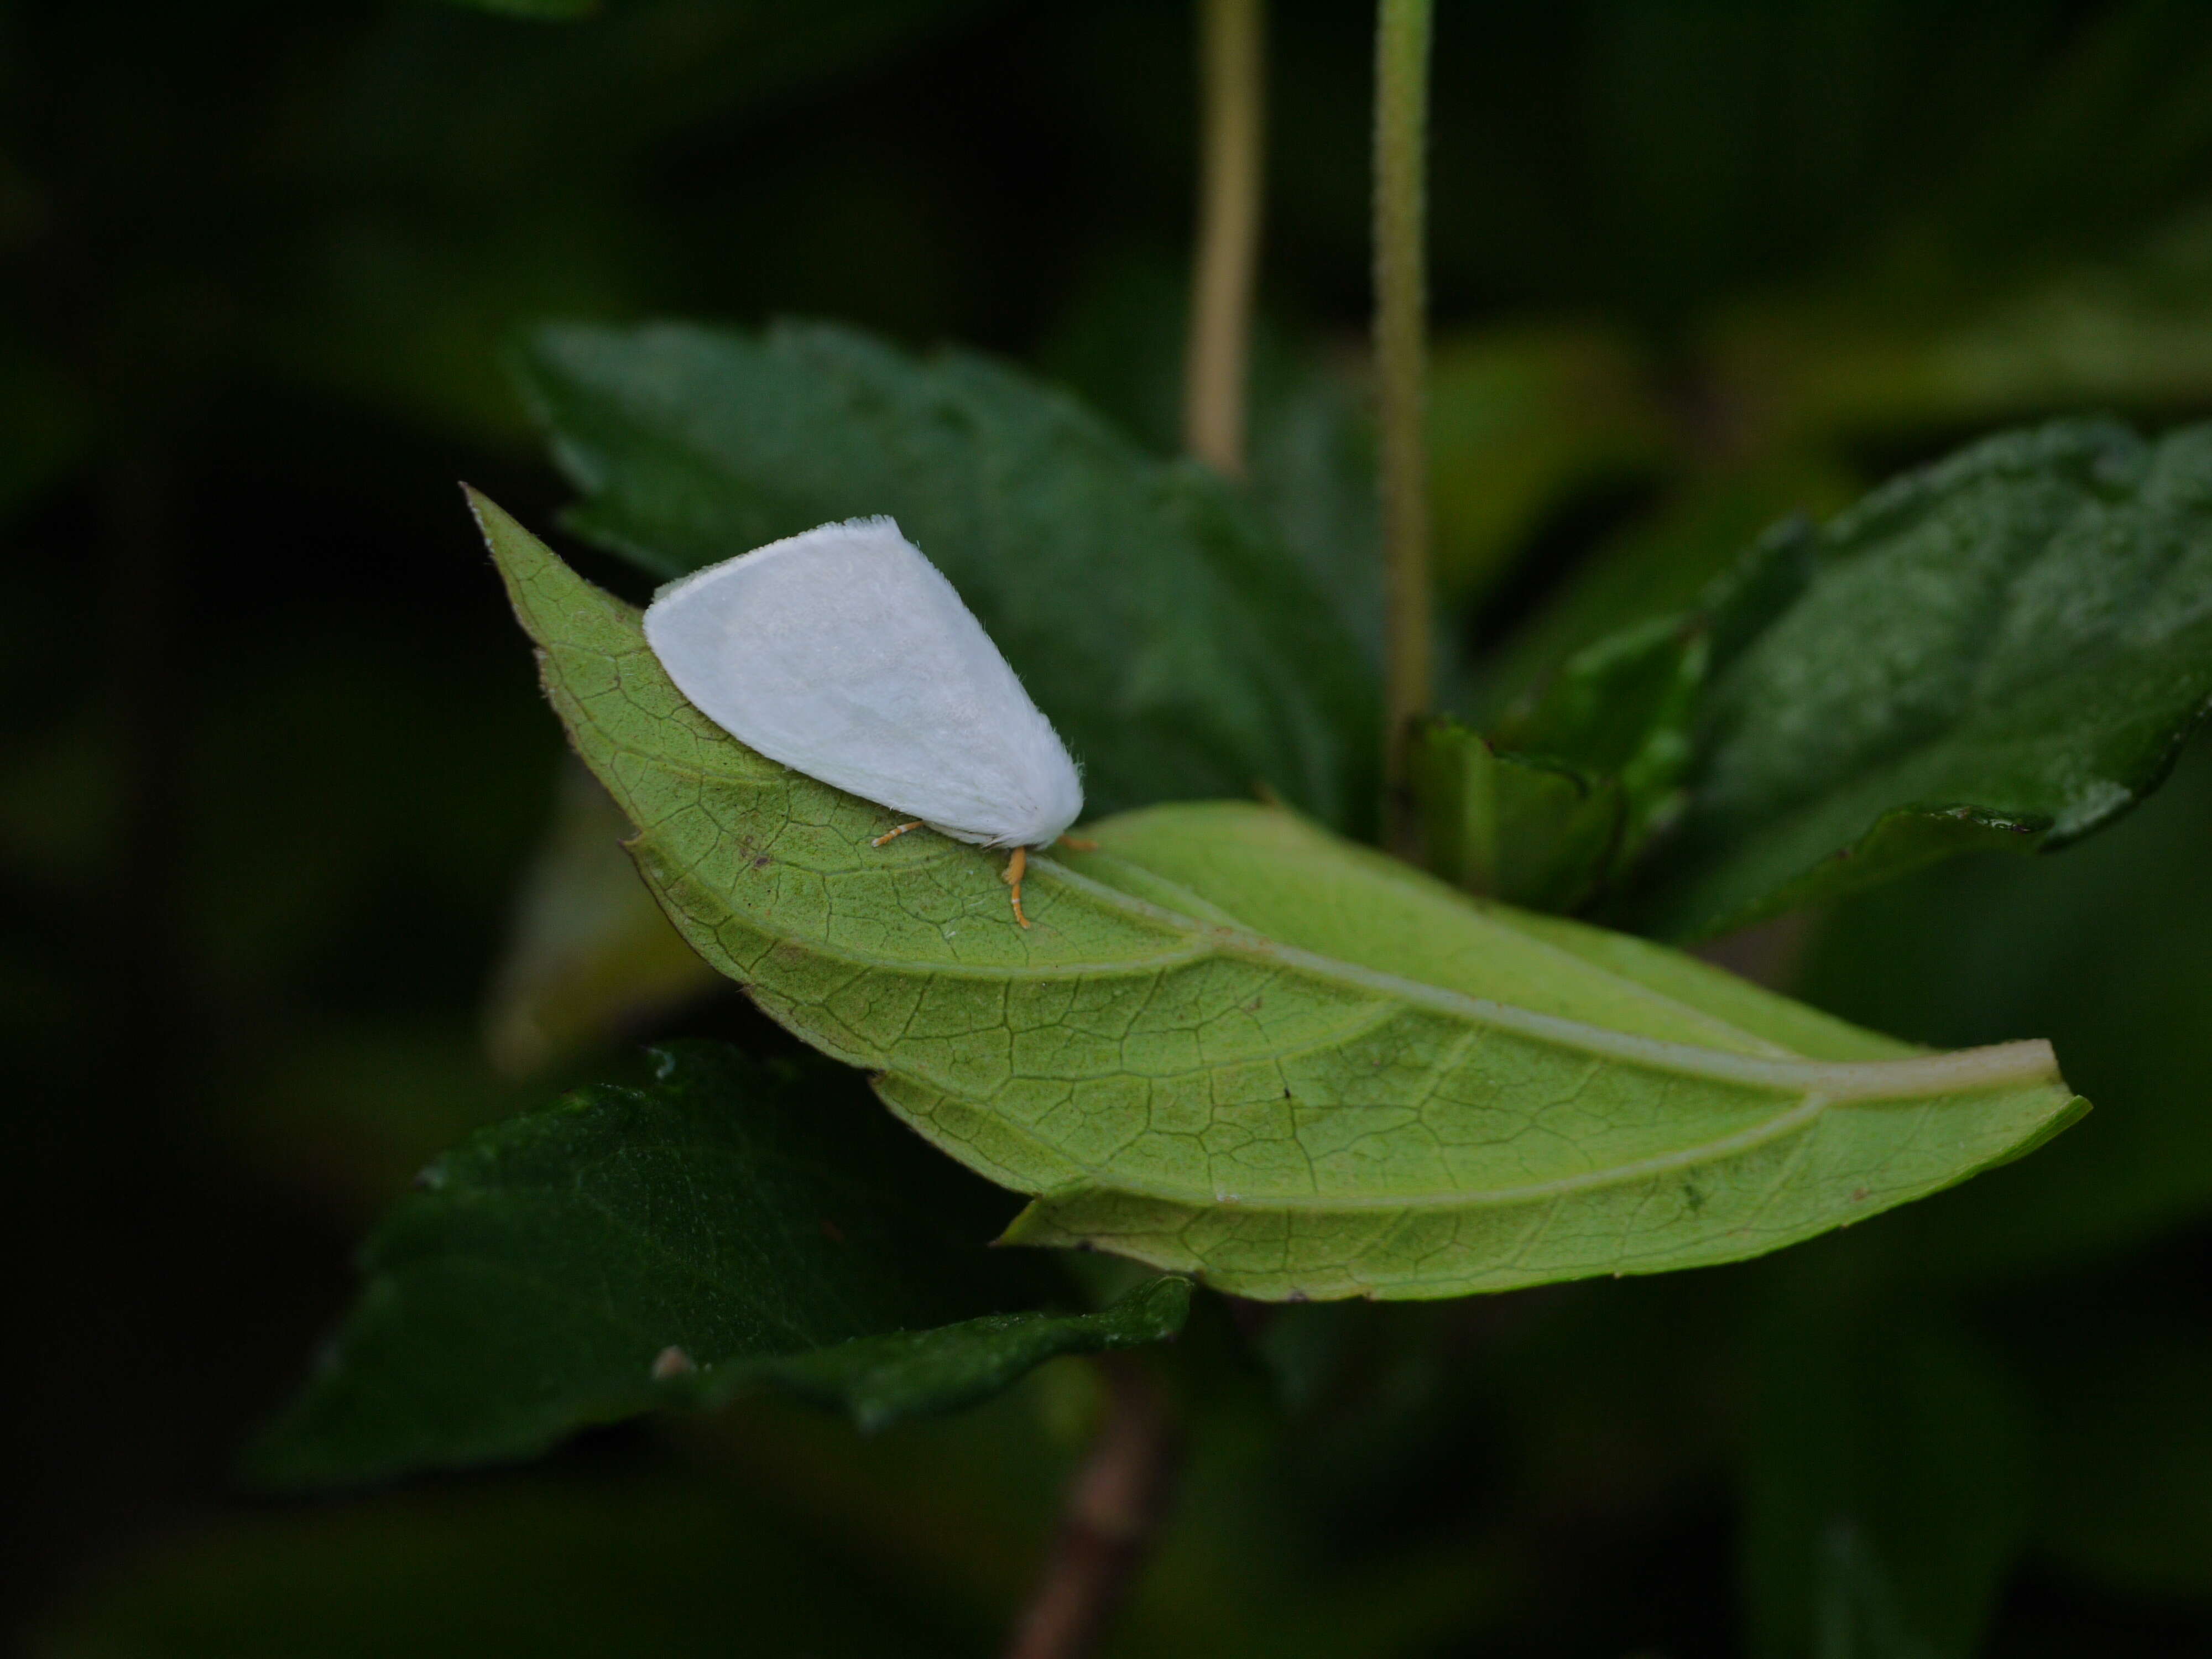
column 1236, row 1046
column 2005, row 649
column 878, row 1380
column 773, row 1228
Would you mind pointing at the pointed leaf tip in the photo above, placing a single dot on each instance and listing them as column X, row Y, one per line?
column 1236, row 1048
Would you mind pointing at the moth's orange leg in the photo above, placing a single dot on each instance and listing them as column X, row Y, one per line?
column 893, row 835
column 1079, row 843
column 1018, row 867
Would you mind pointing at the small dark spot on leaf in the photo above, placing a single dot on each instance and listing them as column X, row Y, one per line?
column 1858, row 1194
column 1692, row 1197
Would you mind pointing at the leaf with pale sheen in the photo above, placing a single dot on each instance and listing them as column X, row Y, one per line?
column 1236, row 1046
column 768, row 1223
column 1178, row 646
column 2003, row 650
column 590, row 955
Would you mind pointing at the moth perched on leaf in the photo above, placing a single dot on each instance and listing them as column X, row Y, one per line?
column 843, row 653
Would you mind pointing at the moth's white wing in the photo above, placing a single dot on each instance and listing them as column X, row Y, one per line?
column 843, row 654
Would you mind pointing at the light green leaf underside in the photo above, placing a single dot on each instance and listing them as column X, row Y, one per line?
column 1235, row 1047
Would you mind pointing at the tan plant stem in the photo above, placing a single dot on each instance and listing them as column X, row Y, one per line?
column 1113, row 1507
column 1232, row 72
column 1401, row 121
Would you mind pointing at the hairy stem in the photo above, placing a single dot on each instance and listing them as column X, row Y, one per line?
column 1232, row 53
column 1401, row 121
column 1113, row 1506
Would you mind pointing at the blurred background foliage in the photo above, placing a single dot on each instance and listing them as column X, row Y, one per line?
column 295, row 892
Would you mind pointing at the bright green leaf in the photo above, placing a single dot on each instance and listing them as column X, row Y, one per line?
column 1175, row 642
column 1235, row 1046
column 769, row 1227
column 2003, row 649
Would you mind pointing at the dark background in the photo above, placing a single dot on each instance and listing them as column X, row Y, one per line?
column 274, row 767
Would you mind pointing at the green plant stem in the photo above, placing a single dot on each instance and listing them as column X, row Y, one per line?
column 1402, row 122
column 1232, row 58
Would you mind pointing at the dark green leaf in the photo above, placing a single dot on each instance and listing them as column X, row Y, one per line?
column 1172, row 638
column 2006, row 649
column 45, row 423
column 1531, row 832
column 1309, row 461
column 2127, row 1482
column 548, row 10
column 1990, row 947
column 538, row 1279
column 1885, row 1475
column 1661, row 564
column 879, row 1380
column 1567, row 788
column 1855, row 1614
column 574, row 1567
column 1520, row 418
column 1942, row 347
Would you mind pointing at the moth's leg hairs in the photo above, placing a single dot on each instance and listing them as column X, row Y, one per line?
column 893, row 835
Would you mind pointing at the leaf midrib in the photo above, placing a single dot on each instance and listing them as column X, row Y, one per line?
column 1843, row 1080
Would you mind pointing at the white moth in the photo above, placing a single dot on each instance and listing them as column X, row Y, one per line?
column 843, row 654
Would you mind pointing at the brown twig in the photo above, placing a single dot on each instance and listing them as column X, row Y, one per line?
column 1113, row 1507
